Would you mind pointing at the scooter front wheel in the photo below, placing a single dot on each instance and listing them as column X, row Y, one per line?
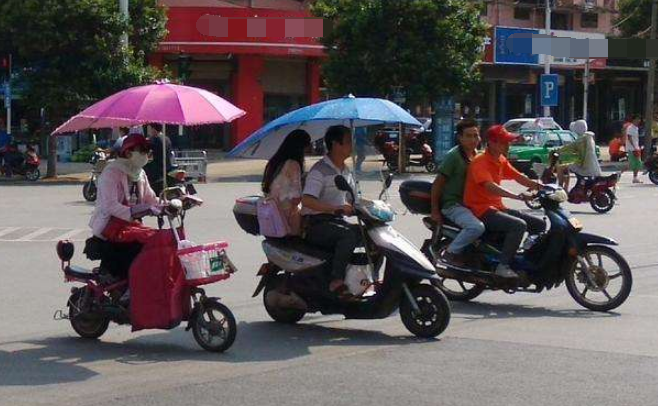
column 33, row 175
column 213, row 326
column 433, row 315
column 600, row 279
column 89, row 191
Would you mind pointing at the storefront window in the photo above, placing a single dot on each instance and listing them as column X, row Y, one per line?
column 277, row 105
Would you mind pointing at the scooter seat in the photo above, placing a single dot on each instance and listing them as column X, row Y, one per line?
column 300, row 245
column 80, row 273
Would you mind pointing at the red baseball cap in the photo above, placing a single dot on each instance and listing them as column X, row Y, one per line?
column 498, row 133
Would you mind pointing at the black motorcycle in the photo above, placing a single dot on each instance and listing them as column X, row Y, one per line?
column 596, row 275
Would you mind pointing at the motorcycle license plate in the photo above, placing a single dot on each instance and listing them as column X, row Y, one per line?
column 575, row 223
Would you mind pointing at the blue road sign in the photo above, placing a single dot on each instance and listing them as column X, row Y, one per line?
column 504, row 55
column 444, row 127
column 549, row 90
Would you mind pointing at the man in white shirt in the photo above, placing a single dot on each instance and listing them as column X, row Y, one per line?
column 632, row 134
column 325, row 207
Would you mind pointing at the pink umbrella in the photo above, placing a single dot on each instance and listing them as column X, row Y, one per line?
column 162, row 103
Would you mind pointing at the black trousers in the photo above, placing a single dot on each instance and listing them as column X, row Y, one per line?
column 335, row 234
column 115, row 258
column 513, row 224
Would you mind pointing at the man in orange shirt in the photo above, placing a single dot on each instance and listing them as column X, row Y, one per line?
column 484, row 196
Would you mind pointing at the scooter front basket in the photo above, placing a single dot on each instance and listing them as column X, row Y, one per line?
column 205, row 264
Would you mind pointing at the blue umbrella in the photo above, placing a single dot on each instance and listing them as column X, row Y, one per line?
column 349, row 111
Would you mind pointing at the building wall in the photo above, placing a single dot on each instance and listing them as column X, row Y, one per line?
column 501, row 12
column 267, row 4
column 265, row 76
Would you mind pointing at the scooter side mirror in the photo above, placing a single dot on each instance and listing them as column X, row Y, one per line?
column 388, row 181
column 341, row 184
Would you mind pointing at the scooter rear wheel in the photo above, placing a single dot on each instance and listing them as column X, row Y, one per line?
column 602, row 202
column 285, row 316
column 87, row 324
column 214, row 326
column 434, row 315
column 465, row 291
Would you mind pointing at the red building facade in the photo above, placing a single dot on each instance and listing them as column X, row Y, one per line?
column 260, row 55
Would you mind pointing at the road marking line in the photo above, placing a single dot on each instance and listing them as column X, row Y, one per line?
column 36, row 233
column 9, row 230
column 68, row 235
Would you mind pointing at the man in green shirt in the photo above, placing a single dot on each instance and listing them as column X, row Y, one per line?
column 448, row 194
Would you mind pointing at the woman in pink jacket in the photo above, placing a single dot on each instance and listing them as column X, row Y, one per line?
column 124, row 197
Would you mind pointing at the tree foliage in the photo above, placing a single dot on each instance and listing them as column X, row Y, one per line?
column 634, row 18
column 426, row 47
column 69, row 52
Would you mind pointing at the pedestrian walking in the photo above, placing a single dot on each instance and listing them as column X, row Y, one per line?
column 632, row 134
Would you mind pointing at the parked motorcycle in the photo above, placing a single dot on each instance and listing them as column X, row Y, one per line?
column 295, row 279
column 599, row 191
column 92, row 307
column 21, row 164
column 98, row 160
column 390, row 150
column 651, row 168
column 587, row 263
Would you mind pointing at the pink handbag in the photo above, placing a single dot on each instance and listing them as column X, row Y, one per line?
column 271, row 221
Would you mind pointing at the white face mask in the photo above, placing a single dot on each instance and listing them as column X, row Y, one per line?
column 138, row 159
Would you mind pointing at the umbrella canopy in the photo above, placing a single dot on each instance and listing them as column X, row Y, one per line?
column 162, row 103
column 349, row 111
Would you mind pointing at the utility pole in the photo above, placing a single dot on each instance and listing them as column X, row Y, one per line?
column 123, row 8
column 585, row 89
column 648, row 120
column 8, row 94
column 547, row 58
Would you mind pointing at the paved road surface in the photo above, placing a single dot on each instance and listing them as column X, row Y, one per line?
column 501, row 350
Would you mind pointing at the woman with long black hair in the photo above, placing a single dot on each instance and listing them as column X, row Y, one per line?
column 282, row 179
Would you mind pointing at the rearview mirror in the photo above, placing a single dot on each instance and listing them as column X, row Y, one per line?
column 341, row 184
column 388, row 181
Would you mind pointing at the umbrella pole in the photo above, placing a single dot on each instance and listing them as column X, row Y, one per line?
column 164, row 156
column 356, row 178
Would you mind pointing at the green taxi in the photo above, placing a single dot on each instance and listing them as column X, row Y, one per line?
column 534, row 146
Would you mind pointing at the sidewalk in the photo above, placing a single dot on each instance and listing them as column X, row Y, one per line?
column 221, row 169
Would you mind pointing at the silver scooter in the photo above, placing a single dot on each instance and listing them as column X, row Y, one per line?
column 296, row 277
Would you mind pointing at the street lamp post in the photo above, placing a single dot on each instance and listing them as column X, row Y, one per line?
column 651, row 80
column 585, row 89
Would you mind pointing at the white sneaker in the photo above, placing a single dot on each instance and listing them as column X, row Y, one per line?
column 504, row 271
